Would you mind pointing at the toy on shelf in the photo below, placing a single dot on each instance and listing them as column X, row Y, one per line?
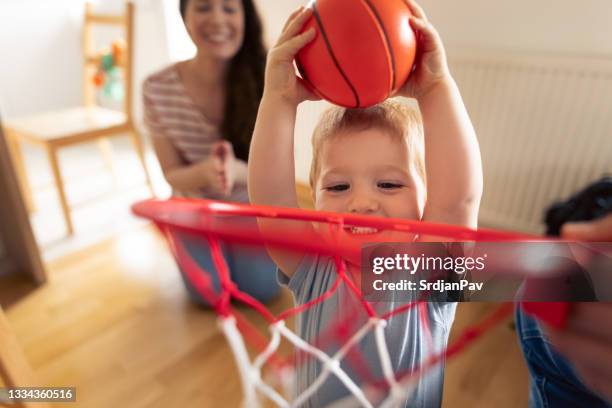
column 108, row 74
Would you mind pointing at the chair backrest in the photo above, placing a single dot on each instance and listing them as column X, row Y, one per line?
column 90, row 62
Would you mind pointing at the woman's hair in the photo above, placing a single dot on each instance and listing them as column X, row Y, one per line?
column 244, row 83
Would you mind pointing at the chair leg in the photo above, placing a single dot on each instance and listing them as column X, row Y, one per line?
column 59, row 183
column 106, row 148
column 137, row 141
column 22, row 176
column 14, row 368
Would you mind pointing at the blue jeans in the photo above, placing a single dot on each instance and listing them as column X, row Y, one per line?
column 251, row 269
column 553, row 381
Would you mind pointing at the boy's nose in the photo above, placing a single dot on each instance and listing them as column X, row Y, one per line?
column 363, row 204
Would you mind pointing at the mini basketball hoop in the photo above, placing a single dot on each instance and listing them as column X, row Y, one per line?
column 222, row 221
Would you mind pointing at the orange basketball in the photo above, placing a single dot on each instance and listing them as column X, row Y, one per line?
column 363, row 52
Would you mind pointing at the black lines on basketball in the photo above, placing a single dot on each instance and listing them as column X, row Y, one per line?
column 381, row 24
column 333, row 56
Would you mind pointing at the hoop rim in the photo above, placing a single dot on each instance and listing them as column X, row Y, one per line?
column 215, row 220
column 175, row 212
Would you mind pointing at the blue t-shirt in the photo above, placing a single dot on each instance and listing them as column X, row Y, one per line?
column 407, row 343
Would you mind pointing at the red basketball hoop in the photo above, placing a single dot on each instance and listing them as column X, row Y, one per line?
column 230, row 222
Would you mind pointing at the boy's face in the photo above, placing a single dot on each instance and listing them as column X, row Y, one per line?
column 368, row 172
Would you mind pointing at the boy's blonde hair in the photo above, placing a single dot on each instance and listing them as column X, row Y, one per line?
column 401, row 120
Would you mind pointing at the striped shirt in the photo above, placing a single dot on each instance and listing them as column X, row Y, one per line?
column 170, row 112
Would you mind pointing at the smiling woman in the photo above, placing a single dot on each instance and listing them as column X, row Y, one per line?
column 200, row 114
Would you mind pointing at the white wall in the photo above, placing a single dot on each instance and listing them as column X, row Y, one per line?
column 152, row 45
column 40, row 42
column 40, row 48
column 546, row 26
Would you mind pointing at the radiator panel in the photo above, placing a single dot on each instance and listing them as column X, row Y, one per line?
column 544, row 126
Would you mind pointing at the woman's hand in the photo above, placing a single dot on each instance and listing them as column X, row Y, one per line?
column 220, row 169
column 281, row 81
column 431, row 67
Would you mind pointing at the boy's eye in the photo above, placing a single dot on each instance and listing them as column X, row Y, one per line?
column 386, row 185
column 229, row 10
column 337, row 187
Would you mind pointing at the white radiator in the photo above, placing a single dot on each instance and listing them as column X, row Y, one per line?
column 544, row 126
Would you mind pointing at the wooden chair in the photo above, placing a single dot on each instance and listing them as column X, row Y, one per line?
column 55, row 130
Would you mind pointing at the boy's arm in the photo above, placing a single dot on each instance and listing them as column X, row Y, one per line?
column 271, row 168
column 452, row 156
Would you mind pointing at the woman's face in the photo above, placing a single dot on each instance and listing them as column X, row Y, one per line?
column 216, row 27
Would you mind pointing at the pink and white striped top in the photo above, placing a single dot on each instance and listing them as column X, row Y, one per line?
column 170, row 112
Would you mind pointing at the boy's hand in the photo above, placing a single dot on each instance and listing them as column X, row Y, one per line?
column 281, row 80
column 431, row 66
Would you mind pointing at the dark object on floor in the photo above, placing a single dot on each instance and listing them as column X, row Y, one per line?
column 593, row 202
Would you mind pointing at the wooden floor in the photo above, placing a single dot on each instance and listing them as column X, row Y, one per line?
column 114, row 321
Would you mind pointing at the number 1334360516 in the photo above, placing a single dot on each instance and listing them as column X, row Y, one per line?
column 38, row 394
